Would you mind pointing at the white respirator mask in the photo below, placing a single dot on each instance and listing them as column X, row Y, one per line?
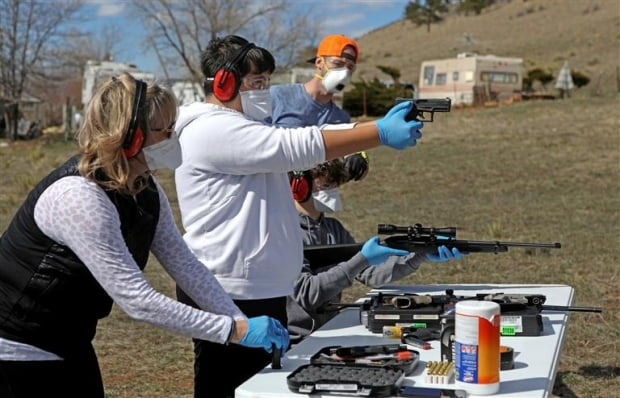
column 165, row 154
column 336, row 79
column 256, row 104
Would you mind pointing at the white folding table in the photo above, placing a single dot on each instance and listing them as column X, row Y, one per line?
column 536, row 357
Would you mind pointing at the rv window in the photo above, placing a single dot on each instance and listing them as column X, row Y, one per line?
column 499, row 77
column 429, row 72
column 455, row 76
column 440, row 79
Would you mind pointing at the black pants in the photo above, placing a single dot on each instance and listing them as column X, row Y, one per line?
column 77, row 376
column 220, row 368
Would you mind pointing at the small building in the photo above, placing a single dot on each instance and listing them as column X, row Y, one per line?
column 97, row 71
column 470, row 78
column 187, row 92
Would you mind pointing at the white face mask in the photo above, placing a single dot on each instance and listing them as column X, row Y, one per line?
column 336, row 79
column 256, row 104
column 165, row 154
column 328, row 200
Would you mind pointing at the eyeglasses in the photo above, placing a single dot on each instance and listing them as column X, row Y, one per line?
column 168, row 130
column 257, row 82
column 338, row 63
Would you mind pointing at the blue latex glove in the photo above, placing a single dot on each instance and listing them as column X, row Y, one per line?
column 394, row 131
column 444, row 254
column 376, row 254
column 263, row 331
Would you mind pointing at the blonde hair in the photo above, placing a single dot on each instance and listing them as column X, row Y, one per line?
column 107, row 119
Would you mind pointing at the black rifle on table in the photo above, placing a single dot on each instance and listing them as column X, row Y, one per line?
column 428, row 316
column 414, row 238
column 422, row 106
column 507, row 301
column 424, row 316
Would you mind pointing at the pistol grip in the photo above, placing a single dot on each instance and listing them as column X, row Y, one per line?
column 275, row 357
column 412, row 114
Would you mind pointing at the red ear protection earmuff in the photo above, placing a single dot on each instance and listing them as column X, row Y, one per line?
column 132, row 144
column 226, row 82
column 301, row 185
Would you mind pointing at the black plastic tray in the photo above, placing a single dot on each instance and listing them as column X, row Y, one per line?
column 361, row 381
column 342, row 370
column 326, row 357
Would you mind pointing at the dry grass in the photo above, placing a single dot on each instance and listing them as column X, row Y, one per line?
column 533, row 171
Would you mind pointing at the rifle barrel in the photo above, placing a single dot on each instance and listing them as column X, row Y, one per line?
column 555, row 245
column 568, row 308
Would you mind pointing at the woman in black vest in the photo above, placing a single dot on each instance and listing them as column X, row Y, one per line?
column 80, row 241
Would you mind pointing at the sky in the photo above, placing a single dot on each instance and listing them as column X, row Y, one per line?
column 352, row 18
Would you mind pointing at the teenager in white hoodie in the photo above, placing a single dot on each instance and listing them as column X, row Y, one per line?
column 235, row 198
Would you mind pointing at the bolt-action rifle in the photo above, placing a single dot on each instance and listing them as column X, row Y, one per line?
column 414, row 238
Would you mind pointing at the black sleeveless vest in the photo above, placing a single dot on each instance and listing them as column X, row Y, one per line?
column 48, row 297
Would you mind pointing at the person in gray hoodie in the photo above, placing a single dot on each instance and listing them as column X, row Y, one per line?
column 318, row 291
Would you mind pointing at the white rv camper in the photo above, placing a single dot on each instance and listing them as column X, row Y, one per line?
column 96, row 72
column 470, row 78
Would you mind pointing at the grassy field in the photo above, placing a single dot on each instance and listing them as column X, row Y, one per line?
column 532, row 171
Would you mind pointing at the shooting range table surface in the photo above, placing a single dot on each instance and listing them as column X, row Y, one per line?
column 536, row 357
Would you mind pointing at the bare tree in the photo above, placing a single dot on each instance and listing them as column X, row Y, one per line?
column 103, row 46
column 29, row 31
column 179, row 30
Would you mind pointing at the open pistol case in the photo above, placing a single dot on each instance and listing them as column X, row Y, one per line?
column 365, row 371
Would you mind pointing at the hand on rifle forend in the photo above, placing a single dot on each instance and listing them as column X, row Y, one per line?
column 444, row 254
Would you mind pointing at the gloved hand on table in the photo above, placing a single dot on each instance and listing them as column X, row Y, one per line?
column 263, row 331
column 397, row 133
column 376, row 254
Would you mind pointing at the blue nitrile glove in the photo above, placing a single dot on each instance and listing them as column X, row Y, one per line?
column 394, row 131
column 263, row 331
column 376, row 254
column 444, row 254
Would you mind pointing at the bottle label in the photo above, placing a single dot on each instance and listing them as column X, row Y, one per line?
column 476, row 349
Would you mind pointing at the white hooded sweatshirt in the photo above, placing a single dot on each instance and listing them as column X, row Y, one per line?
column 235, row 198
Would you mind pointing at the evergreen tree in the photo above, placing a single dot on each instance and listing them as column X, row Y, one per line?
column 476, row 6
column 426, row 12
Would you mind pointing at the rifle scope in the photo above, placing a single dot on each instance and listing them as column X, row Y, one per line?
column 416, row 230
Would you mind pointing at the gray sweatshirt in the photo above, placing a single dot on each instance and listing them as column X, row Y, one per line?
column 316, row 289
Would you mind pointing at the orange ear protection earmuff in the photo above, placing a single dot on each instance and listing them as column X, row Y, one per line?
column 226, row 81
column 301, row 185
column 132, row 144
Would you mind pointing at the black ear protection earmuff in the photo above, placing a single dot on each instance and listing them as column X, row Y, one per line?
column 226, row 81
column 132, row 144
column 301, row 185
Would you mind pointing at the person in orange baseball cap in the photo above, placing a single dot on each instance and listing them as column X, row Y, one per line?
column 335, row 59
column 311, row 103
